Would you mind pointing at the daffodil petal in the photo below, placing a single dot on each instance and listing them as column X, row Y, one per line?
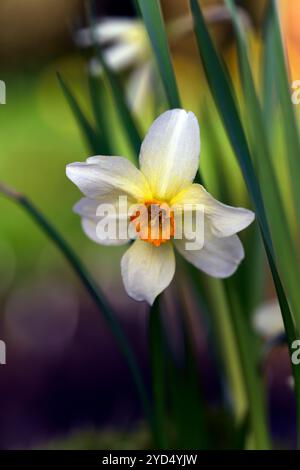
column 101, row 175
column 89, row 226
column 123, row 55
column 139, row 85
column 224, row 220
column 169, row 155
column 219, row 257
column 147, row 270
column 109, row 29
column 87, row 209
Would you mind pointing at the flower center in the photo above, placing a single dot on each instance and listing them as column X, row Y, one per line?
column 154, row 222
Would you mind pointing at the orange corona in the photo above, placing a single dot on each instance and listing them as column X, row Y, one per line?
column 154, row 222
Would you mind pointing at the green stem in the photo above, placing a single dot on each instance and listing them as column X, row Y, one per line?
column 92, row 289
column 257, row 413
column 158, row 373
column 213, row 292
column 292, row 335
column 227, row 337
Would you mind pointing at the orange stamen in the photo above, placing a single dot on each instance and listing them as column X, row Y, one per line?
column 156, row 225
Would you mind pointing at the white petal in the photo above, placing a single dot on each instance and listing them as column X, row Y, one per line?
column 267, row 320
column 139, row 86
column 106, row 30
column 170, row 152
column 219, row 257
column 101, row 175
column 123, row 55
column 224, row 220
column 89, row 227
column 87, row 209
column 147, row 270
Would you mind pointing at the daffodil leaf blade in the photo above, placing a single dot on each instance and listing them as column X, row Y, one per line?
column 152, row 15
column 96, row 90
column 157, row 359
column 282, row 86
column 225, row 100
column 269, row 96
column 226, row 105
column 261, row 154
column 86, row 128
column 122, row 107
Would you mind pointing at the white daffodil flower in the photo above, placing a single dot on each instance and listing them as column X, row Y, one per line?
column 126, row 40
column 126, row 45
column 169, row 160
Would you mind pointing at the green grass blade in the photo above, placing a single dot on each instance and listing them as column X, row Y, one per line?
column 269, row 96
column 187, row 405
column 157, row 353
column 256, row 399
column 86, row 128
column 261, row 154
column 122, row 107
column 282, row 85
column 152, row 15
column 226, row 104
column 291, row 335
column 96, row 89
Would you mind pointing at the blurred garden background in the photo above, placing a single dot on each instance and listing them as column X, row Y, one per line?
column 65, row 383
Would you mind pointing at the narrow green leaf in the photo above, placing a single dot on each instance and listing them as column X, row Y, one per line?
column 221, row 335
column 119, row 97
column 226, row 104
column 86, row 128
column 152, row 15
column 187, row 404
column 96, row 88
column 282, row 84
column 291, row 333
column 157, row 352
column 261, row 154
column 254, row 385
column 270, row 99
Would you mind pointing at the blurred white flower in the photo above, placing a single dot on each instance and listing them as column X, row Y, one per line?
column 125, row 45
column 268, row 323
column 267, row 319
column 169, row 161
column 126, row 39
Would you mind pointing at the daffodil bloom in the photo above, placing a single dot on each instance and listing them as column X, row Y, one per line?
column 169, row 161
column 126, row 45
